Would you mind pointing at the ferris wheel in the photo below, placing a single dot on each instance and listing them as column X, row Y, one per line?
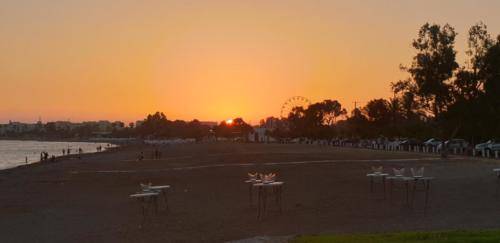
column 292, row 102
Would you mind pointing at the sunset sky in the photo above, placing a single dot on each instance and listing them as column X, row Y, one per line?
column 210, row 60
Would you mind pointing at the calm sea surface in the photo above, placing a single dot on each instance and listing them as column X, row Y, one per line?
column 14, row 153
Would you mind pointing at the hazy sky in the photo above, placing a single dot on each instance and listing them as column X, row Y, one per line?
column 211, row 60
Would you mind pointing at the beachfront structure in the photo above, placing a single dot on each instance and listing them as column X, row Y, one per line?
column 260, row 135
column 97, row 127
column 19, row 127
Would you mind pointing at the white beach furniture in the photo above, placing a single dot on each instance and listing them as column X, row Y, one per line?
column 250, row 183
column 497, row 172
column 417, row 172
column 427, row 186
column 254, row 178
column 161, row 190
column 147, row 199
column 416, row 178
column 377, row 172
column 405, row 180
column 373, row 177
column 263, row 189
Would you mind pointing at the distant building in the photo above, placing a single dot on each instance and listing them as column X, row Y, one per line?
column 260, row 135
column 95, row 127
column 17, row 127
column 209, row 123
column 271, row 123
column 64, row 125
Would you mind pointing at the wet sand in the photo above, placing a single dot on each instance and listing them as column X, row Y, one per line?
column 326, row 190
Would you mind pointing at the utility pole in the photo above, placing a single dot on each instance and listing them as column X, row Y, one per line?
column 357, row 102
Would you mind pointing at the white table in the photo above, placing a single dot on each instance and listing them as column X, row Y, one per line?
column 404, row 179
column 377, row 175
column 159, row 190
column 277, row 188
column 250, row 189
column 427, row 186
column 146, row 199
column 497, row 171
column 415, row 180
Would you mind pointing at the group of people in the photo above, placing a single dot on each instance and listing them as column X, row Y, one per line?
column 44, row 156
column 66, row 151
column 156, row 154
column 99, row 148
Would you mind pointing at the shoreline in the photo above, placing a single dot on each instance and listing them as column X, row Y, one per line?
column 74, row 140
column 60, row 158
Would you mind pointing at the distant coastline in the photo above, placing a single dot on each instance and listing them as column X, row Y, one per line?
column 17, row 152
column 89, row 140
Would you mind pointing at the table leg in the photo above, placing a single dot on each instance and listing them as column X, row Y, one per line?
column 280, row 193
column 407, row 192
column 165, row 200
column 427, row 188
column 264, row 198
column 413, row 192
column 155, row 204
column 498, row 186
column 259, row 203
column 383, row 184
column 143, row 206
column 250, row 194
column 392, row 187
column 276, row 194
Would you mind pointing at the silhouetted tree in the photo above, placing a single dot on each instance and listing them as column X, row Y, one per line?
column 433, row 66
column 238, row 128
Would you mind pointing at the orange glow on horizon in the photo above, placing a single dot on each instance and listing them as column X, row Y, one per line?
column 96, row 60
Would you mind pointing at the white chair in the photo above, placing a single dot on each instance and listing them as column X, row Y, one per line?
column 253, row 177
column 268, row 178
column 417, row 173
column 399, row 172
column 377, row 170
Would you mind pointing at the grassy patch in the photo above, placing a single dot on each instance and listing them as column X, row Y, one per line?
column 427, row 237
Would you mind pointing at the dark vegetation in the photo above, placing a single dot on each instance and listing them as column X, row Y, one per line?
column 440, row 98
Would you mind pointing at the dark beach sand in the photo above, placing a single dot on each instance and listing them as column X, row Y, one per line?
column 70, row 201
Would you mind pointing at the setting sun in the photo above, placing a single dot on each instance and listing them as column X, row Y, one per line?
column 229, row 121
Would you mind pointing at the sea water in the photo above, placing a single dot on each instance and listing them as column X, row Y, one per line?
column 14, row 153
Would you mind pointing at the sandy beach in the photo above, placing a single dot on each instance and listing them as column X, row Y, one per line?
column 326, row 190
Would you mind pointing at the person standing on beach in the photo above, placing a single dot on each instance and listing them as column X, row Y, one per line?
column 156, row 153
column 64, row 152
